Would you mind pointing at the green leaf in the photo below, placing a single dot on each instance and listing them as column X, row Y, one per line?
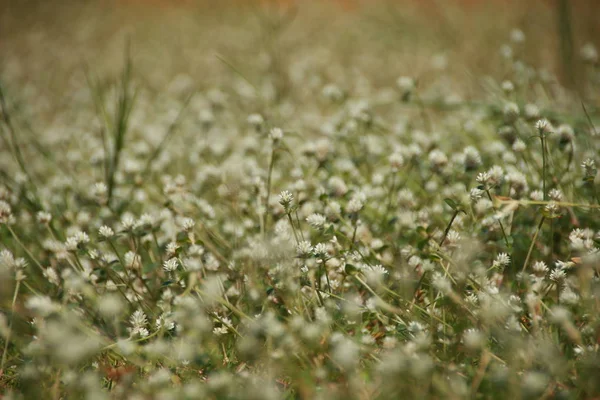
column 510, row 241
column 350, row 269
column 330, row 230
column 453, row 204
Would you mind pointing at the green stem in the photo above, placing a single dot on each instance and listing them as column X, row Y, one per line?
column 355, row 223
column 390, row 196
column 12, row 315
column 318, row 290
column 268, row 196
column 449, row 227
column 542, row 139
column 324, row 272
column 440, row 244
column 537, row 231
column 298, row 222
column 293, row 228
column 499, row 222
column 14, row 235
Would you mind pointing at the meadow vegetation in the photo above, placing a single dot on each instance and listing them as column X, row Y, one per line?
column 298, row 203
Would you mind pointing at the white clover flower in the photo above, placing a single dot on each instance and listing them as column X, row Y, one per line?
column 164, row 321
column 44, row 217
column 544, row 126
column 138, row 321
column 558, row 275
column 354, row 205
column 82, row 237
column 285, row 199
column 145, row 220
column 206, row 117
column 502, row 261
column 211, row 262
column 453, row 236
column 224, row 328
column 519, row 146
column 321, row 250
column 276, row 134
column 406, row 84
column 589, row 168
column 375, row 273
column 560, row 314
column 566, row 133
column 472, row 299
column 540, row 268
column 346, row 353
column 552, row 208
column 511, row 112
column 304, row 249
column 143, row 332
column 517, row 36
column 316, row 220
column 172, row 248
column 51, row 275
column 160, row 377
column 255, row 120
column 475, row 194
column 589, row 53
column 514, row 302
column 220, row 331
column 195, row 250
column 100, row 189
column 508, row 87
column 127, row 222
column 531, row 111
column 396, row 161
column 171, row 264
column 483, row 178
column 472, row 158
column 513, row 324
column 565, row 265
column 555, row 194
column 496, row 174
column 337, row 186
column 517, row 180
column 41, row 305
column 106, row 231
column 5, row 212
column 333, row 209
column 131, row 259
column 415, row 327
column 7, row 259
column 582, row 239
column 78, row 239
column 473, row 339
column 188, row 224
column 437, row 158
column 568, row 296
column 332, row 92
column 377, row 244
column 536, row 195
column 441, row 283
column 110, row 305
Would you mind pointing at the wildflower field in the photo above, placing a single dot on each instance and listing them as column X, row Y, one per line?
column 299, row 202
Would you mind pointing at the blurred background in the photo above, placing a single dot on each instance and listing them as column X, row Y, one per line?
column 46, row 45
